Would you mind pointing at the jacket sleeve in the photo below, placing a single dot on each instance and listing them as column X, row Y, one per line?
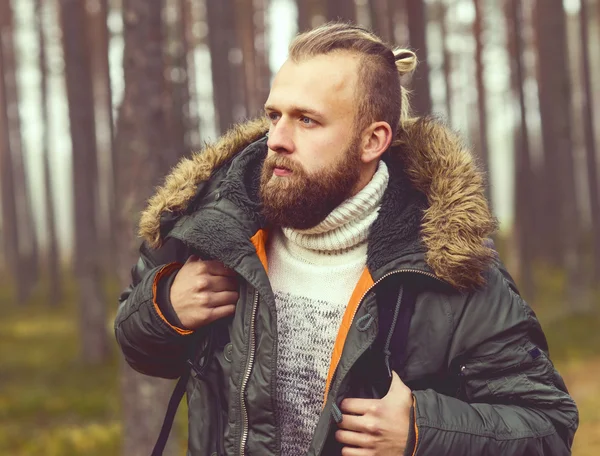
column 150, row 343
column 512, row 401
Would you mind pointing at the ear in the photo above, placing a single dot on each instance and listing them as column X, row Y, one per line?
column 377, row 137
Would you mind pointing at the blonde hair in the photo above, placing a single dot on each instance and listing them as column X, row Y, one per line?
column 381, row 96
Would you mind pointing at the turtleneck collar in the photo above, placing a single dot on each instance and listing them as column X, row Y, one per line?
column 347, row 226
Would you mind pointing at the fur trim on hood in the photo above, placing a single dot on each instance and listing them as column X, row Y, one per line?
column 454, row 227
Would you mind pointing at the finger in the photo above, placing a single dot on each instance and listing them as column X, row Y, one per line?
column 351, row 451
column 221, row 312
column 221, row 298
column 357, row 439
column 221, row 283
column 217, row 268
column 353, row 423
column 356, row 406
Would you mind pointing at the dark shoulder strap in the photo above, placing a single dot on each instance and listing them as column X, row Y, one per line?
column 198, row 362
column 174, row 402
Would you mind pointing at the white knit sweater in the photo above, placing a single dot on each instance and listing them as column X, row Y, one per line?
column 313, row 274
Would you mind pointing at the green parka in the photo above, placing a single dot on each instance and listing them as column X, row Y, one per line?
column 434, row 304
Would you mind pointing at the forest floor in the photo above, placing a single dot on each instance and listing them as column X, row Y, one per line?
column 52, row 404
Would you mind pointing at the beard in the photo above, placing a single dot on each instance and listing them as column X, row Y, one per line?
column 302, row 200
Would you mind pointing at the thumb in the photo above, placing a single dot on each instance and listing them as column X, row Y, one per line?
column 396, row 386
column 192, row 259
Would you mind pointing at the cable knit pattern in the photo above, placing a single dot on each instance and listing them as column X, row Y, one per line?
column 313, row 273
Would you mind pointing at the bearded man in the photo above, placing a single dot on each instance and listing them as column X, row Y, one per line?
column 321, row 280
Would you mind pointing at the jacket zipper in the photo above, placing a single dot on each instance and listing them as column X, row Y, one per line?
column 397, row 271
column 246, row 377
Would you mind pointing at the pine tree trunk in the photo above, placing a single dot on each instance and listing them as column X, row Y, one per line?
column 88, row 259
column 188, row 12
column 382, row 19
column 447, row 61
column 142, row 132
column 26, row 268
column 226, row 59
column 10, row 229
column 590, row 141
column 482, row 140
column 53, row 266
column 340, row 10
column 554, row 87
column 417, row 26
column 525, row 190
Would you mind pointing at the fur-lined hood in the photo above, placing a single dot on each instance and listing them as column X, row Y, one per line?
column 455, row 223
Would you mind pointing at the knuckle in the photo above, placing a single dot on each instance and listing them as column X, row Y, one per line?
column 203, row 299
column 373, row 427
column 202, row 282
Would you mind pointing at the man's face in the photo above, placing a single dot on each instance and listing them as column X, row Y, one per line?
column 314, row 158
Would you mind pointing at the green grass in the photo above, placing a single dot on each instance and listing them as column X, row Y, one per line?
column 54, row 405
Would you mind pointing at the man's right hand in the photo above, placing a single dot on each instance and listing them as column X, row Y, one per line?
column 203, row 291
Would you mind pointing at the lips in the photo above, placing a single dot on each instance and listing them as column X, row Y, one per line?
column 281, row 171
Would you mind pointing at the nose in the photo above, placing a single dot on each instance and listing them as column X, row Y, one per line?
column 280, row 137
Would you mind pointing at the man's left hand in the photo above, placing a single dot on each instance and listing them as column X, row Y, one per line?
column 376, row 427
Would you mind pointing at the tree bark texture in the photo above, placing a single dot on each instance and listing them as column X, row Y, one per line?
column 88, row 259
column 417, row 23
column 142, row 132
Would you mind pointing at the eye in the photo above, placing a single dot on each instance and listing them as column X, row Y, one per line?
column 307, row 120
column 273, row 116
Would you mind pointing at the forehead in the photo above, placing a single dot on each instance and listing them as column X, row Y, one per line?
column 326, row 83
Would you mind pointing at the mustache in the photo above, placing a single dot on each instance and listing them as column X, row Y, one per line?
column 280, row 161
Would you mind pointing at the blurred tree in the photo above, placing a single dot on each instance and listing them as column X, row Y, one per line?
column 482, row 138
column 226, row 59
column 88, row 258
column 343, row 10
column 562, row 224
column 439, row 13
column 99, row 43
column 382, row 18
column 141, row 136
column 177, row 50
column 525, row 188
column 250, row 24
column 190, row 25
column 417, row 27
column 10, row 229
column 52, row 259
column 590, row 141
column 26, row 267
column 307, row 10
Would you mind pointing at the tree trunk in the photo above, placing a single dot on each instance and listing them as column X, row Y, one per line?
column 525, row 190
column 447, row 60
column 250, row 20
column 93, row 316
column 482, row 140
column 141, row 136
column 340, row 10
column 176, row 50
column 590, row 141
column 417, row 25
column 554, row 87
column 26, row 268
column 10, row 229
column 382, row 19
column 188, row 13
column 226, row 59
column 53, row 266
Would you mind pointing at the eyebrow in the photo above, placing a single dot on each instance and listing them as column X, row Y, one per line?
column 297, row 109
